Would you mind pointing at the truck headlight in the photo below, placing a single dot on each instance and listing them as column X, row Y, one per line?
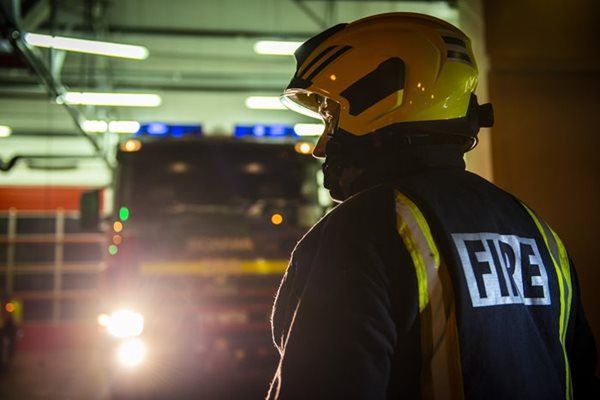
column 131, row 353
column 125, row 324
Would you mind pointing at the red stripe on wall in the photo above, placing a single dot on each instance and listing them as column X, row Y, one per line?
column 41, row 198
column 51, row 337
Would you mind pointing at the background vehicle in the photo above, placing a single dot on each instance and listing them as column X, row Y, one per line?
column 201, row 235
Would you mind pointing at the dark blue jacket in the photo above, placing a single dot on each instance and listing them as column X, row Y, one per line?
column 371, row 309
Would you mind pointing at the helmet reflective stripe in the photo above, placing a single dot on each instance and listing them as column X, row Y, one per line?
column 315, row 60
column 383, row 81
column 453, row 40
column 329, row 60
column 458, row 56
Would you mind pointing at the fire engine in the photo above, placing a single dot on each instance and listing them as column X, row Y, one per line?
column 199, row 238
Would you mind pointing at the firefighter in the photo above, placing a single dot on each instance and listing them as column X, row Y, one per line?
column 427, row 281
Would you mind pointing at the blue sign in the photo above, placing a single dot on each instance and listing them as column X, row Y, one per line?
column 161, row 129
column 264, row 131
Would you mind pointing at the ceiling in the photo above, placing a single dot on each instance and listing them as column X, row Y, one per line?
column 201, row 62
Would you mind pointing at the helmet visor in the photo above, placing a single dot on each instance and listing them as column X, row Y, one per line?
column 313, row 105
column 310, row 104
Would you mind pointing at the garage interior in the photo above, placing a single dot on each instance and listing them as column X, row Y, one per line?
column 201, row 66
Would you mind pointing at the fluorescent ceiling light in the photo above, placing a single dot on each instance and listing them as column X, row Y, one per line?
column 94, row 126
column 264, row 103
column 123, row 126
column 111, row 99
column 87, row 46
column 309, row 129
column 278, row 48
column 5, row 131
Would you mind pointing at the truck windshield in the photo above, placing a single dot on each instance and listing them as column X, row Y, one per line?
column 215, row 177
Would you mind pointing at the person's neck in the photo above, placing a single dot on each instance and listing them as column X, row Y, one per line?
column 409, row 161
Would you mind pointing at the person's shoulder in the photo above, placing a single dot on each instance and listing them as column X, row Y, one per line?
column 365, row 210
column 362, row 211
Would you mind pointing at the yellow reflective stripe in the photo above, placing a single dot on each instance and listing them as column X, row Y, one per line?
column 216, row 266
column 423, row 257
column 441, row 371
column 566, row 273
column 560, row 260
column 424, row 228
column 412, row 248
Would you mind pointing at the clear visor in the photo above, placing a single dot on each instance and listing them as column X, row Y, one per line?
column 311, row 104
column 316, row 106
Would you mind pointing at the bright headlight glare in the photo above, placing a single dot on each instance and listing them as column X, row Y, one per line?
column 103, row 320
column 131, row 353
column 125, row 323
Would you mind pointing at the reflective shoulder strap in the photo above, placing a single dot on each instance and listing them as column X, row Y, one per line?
column 560, row 260
column 441, row 375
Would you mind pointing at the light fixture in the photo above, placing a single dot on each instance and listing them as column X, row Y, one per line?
column 264, row 103
column 123, row 126
column 117, row 239
column 304, row 147
column 87, row 46
column 276, row 219
column 276, row 47
column 125, row 323
column 94, row 126
column 130, row 146
column 309, row 129
column 103, row 320
column 110, row 99
column 124, row 213
column 118, row 226
column 5, row 131
column 113, row 249
column 131, row 353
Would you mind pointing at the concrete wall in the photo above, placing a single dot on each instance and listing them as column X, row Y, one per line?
column 544, row 82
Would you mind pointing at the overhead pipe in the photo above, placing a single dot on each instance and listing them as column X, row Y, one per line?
column 54, row 88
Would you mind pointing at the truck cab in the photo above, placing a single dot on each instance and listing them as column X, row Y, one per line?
column 199, row 239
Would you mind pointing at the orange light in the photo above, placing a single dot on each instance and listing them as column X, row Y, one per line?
column 304, row 147
column 276, row 219
column 9, row 307
column 117, row 239
column 131, row 145
column 332, row 77
column 118, row 226
column 240, row 354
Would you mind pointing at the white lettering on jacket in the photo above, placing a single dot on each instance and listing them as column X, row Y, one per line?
column 502, row 269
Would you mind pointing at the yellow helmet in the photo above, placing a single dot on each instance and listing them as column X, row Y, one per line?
column 390, row 70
